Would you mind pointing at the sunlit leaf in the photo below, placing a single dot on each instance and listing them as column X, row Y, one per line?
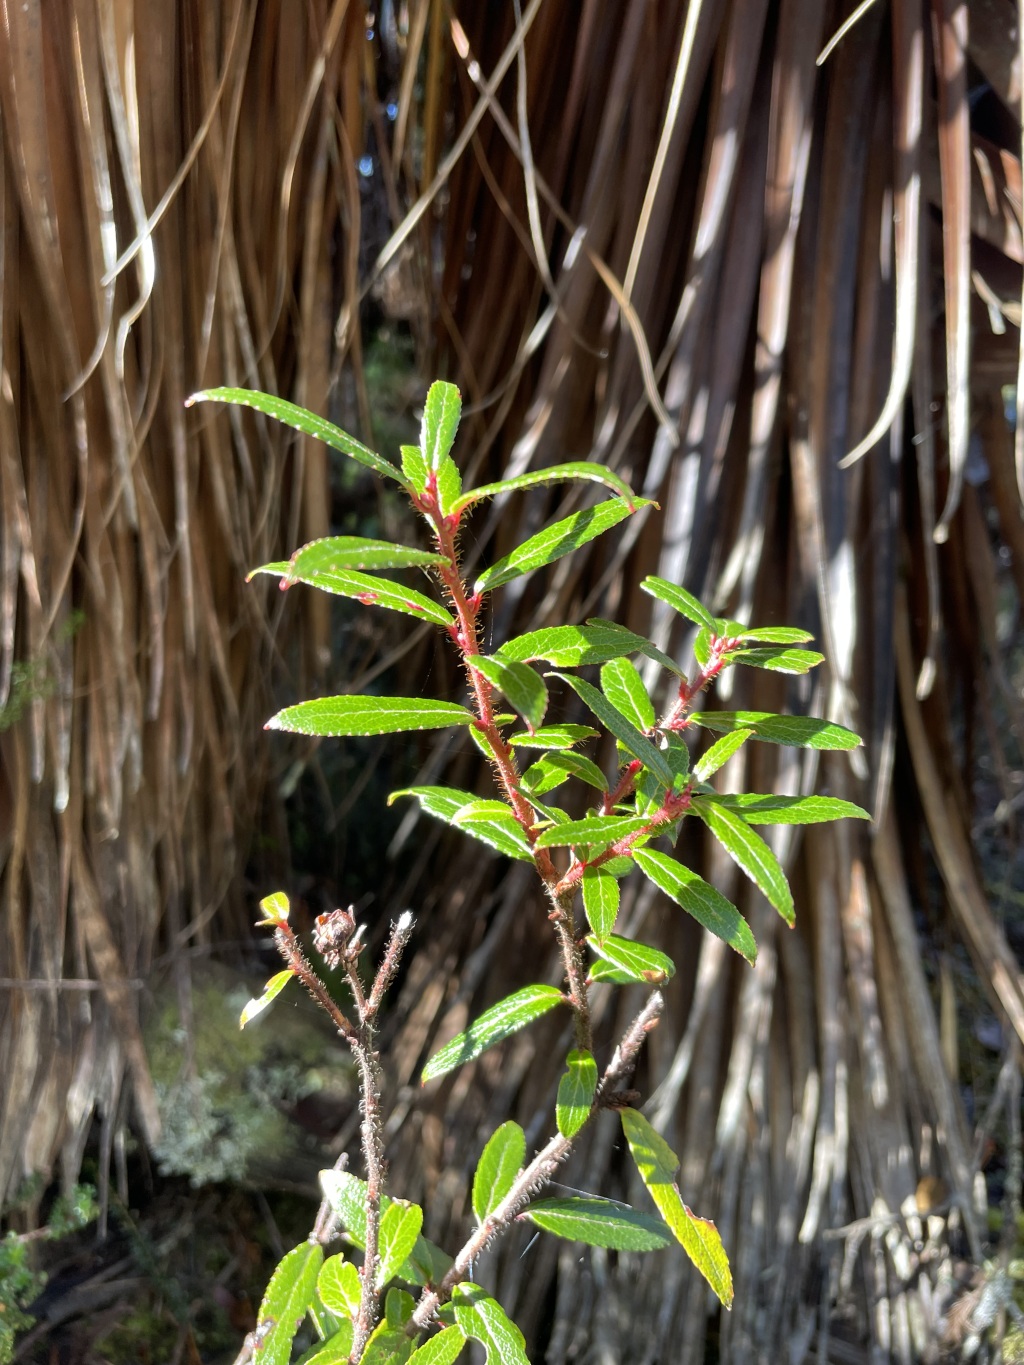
column 557, row 540
column 768, row 809
column 493, row 823
column 772, row 635
column 749, row 851
column 708, row 906
column 624, row 688
column 442, row 1349
column 332, row 554
column 334, row 1351
column 779, row 659
column 500, row 1162
column 399, row 1306
column 802, row 732
column 596, row 831
column 372, row 591
column 441, row 414
column 414, row 467
column 483, row 1319
column 387, row 1345
column 623, row 960
column 658, row 1164
column 273, row 988
column 301, row 420
column 399, row 1228
column 288, row 1296
column 499, row 1022
column 719, row 753
column 359, row 715
column 553, row 737
column 576, row 1092
column 599, row 1223
column 600, row 901
column 679, row 600
column 574, row 646
column 584, row 470
column 552, row 770
column 339, row 1286
column 521, row 684
column 275, row 907
column 623, row 729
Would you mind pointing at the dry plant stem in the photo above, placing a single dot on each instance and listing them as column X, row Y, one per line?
column 372, row 1126
column 360, row 1039
column 371, row 1137
column 536, row 1175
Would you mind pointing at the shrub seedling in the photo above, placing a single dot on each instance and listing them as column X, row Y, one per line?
column 359, row 1309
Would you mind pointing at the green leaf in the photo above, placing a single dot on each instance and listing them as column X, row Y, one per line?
column 749, row 851
column 346, row 1194
column 483, row 1319
column 552, row 770
column 623, row 729
column 275, row 907
column 288, row 1296
column 444, row 803
column 708, row 906
column 648, row 648
column 801, row 732
column 595, row 832
column 779, row 659
column 273, row 988
column 442, row 1349
column 489, row 821
column 493, row 823
column 339, row 1286
column 399, row 1227
column 332, row 554
column 576, row 1092
column 766, row 808
column 508, row 1016
column 387, row 1345
column 600, row 1223
column 500, row 1162
column 658, row 1164
column 719, row 753
column 574, row 646
column 441, row 414
column 334, row 1351
column 368, row 716
column 773, row 635
column 399, row 1307
column 427, row 1264
column 679, row 600
column 326, row 1323
column 584, row 470
column 624, row 688
column 629, row 961
column 301, row 419
column 521, row 684
column 449, row 486
column 414, row 467
column 600, row 901
column 702, row 647
column 553, row 737
column 372, row 592
column 557, row 540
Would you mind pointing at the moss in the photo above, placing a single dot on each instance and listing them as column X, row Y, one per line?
column 226, row 1094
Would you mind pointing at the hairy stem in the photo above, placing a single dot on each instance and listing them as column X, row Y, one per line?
column 535, row 1176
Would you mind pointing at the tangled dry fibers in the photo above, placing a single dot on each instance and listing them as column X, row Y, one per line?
column 784, row 299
